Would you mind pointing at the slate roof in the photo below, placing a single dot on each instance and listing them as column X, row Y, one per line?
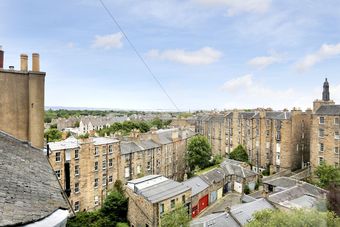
column 128, row 147
column 213, row 176
column 282, row 182
column 29, row 189
column 148, row 144
column 232, row 167
column 196, row 184
column 243, row 212
column 160, row 190
column 215, row 220
column 247, row 115
column 278, row 115
column 328, row 110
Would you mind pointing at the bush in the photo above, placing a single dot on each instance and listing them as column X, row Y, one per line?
column 217, row 159
column 239, row 154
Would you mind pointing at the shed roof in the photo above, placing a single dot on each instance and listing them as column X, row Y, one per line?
column 328, row 110
column 196, row 184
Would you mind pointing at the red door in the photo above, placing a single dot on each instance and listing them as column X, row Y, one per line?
column 194, row 211
column 203, row 203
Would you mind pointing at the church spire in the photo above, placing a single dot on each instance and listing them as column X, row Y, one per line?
column 325, row 93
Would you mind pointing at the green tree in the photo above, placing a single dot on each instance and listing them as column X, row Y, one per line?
column 199, row 152
column 327, row 175
column 177, row 217
column 239, row 154
column 112, row 213
column 293, row 218
column 53, row 135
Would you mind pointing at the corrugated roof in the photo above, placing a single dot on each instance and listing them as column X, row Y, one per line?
column 328, row 110
column 29, row 189
column 283, row 182
column 196, row 184
column 69, row 143
column 163, row 191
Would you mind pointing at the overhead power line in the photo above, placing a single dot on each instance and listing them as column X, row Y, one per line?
column 138, row 54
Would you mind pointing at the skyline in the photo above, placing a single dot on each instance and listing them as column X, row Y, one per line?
column 219, row 54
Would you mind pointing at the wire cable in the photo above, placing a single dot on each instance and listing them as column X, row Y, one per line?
column 139, row 55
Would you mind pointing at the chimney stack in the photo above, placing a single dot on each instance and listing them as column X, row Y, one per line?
column 35, row 62
column 24, row 62
column 1, row 58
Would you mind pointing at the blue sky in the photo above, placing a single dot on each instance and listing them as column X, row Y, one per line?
column 208, row 54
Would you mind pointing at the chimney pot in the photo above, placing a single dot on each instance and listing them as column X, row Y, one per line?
column 23, row 62
column 35, row 62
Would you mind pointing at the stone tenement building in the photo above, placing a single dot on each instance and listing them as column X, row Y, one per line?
column 88, row 168
column 22, row 100
column 279, row 140
column 152, row 196
column 29, row 190
column 325, row 137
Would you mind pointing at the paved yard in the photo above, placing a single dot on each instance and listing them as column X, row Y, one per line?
column 228, row 200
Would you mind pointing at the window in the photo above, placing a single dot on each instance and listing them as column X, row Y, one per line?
column 96, row 182
column 149, row 166
column 104, row 164
column 110, row 162
column 183, row 198
column 58, row 173
column 96, row 200
column 96, row 151
column 76, row 170
column 95, row 166
column 336, row 121
column 336, row 135
column 127, row 158
column 104, row 180
column 161, row 208
column 336, row 150
column 321, row 160
column 104, row 150
column 76, row 188
column 138, row 169
column 57, row 157
column 172, row 203
column 76, row 206
column 110, row 179
column 110, row 149
column 76, row 154
column 127, row 172
column 158, row 163
column 321, row 132
column 322, row 120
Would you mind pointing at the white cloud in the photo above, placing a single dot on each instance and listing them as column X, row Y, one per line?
column 70, row 45
column 238, row 83
column 203, row 56
column 248, row 93
column 108, row 41
column 262, row 62
column 238, row 6
column 326, row 51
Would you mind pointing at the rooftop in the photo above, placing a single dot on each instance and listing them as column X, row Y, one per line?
column 196, row 184
column 29, row 189
column 157, row 188
column 243, row 212
column 215, row 220
column 328, row 110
